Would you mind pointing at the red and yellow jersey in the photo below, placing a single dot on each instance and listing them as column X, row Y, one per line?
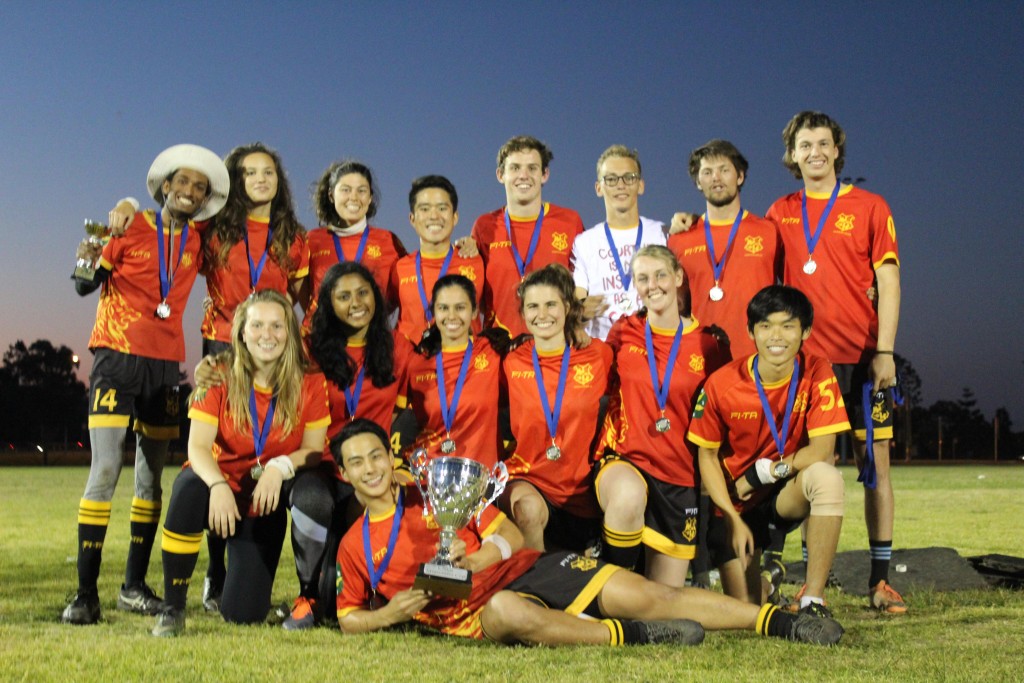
column 858, row 237
column 500, row 305
column 228, row 284
column 126, row 319
column 412, row 321
column 753, row 262
column 234, row 449
column 729, row 415
column 417, row 544
column 565, row 482
column 383, row 249
column 629, row 426
column 475, row 427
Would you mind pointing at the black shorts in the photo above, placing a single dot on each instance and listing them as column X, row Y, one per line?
column 851, row 378
column 123, row 385
column 565, row 581
column 211, row 347
column 566, row 531
column 670, row 519
column 758, row 519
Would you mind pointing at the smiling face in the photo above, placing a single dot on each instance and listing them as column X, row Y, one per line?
column 453, row 313
column 353, row 303
column 259, row 173
column 619, row 196
column 352, row 196
column 719, row 181
column 433, row 218
column 266, row 332
column 656, row 283
column 523, row 176
column 367, row 464
column 544, row 313
column 778, row 338
column 815, row 153
column 185, row 193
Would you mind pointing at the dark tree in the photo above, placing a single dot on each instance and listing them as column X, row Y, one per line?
column 43, row 402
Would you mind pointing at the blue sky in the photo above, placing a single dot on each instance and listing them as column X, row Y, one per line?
column 930, row 95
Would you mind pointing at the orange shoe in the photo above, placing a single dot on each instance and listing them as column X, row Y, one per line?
column 793, row 606
column 303, row 615
column 884, row 598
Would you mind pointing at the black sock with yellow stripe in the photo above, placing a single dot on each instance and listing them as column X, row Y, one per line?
column 625, row 632
column 93, row 519
column 180, row 554
column 771, row 621
column 621, row 548
column 145, row 519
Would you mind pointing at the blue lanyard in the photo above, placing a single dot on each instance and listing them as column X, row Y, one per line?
column 376, row 573
column 534, row 238
column 260, row 432
column 353, row 392
column 718, row 264
column 626, row 277
column 360, row 250
column 419, row 281
column 812, row 240
column 166, row 274
column 769, row 415
column 551, row 416
column 869, row 475
column 448, row 410
column 256, row 270
column 661, row 390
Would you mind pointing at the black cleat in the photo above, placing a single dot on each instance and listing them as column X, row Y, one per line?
column 83, row 609
column 170, row 622
column 678, row 631
column 817, row 609
column 211, row 595
column 140, row 599
column 807, row 628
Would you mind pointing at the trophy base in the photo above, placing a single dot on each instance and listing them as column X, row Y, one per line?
column 451, row 582
column 85, row 273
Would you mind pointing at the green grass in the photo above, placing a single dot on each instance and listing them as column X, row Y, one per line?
column 955, row 636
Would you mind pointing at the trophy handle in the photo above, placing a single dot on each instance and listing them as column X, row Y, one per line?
column 499, row 477
column 418, row 468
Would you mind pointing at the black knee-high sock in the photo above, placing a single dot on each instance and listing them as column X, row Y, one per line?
column 621, row 547
column 216, row 547
column 145, row 520
column 180, row 553
column 93, row 518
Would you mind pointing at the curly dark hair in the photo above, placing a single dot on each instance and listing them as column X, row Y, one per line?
column 558, row 276
column 323, row 191
column 228, row 226
column 329, row 335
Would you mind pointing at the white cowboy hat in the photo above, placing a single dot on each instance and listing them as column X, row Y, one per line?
column 198, row 159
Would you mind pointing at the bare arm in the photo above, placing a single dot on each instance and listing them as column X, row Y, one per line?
column 267, row 494
column 883, row 365
column 399, row 610
column 223, row 511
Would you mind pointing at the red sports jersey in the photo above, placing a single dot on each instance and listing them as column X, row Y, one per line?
column 858, row 237
column 228, row 284
column 412, row 320
column 235, row 451
column 383, row 249
column 126, row 319
column 629, row 426
column 417, row 544
column 729, row 415
column 753, row 262
column 475, row 428
column 500, row 305
column 565, row 482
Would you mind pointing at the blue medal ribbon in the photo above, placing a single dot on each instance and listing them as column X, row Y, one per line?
column 260, row 432
column 551, row 416
column 626, row 277
column 661, row 389
column 419, row 281
column 782, row 435
column 256, row 269
column 448, row 410
column 360, row 250
column 534, row 238
column 353, row 392
column 376, row 573
column 812, row 240
column 166, row 273
column 718, row 264
column 869, row 475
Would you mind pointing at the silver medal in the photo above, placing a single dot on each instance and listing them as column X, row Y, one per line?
column 553, row 452
column 716, row 293
column 810, row 266
column 163, row 310
column 448, row 446
column 256, row 471
column 662, row 424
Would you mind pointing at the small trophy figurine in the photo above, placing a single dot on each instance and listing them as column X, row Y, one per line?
column 85, row 269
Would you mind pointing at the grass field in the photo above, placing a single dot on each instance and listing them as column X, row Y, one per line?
column 954, row 636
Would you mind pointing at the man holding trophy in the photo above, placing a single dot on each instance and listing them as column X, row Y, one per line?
column 138, row 342
column 517, row 595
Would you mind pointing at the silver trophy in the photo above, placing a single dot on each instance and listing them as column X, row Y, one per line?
column 453, row 490
column 99, row 234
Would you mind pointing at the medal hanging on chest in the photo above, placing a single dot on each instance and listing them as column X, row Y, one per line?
column 260, row 432
column 718, row 264
column 661, row 384
column 164, row 255
column 552, row 416
column 553, row 452
column 662, row 424
column 448, row 410
column 523, row 264
column 810, row 266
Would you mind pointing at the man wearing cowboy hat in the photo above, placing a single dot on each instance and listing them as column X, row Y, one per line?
column 138, row 343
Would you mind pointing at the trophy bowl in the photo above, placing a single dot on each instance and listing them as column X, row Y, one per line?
column 99, row 234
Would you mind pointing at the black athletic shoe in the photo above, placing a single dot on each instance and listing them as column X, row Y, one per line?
column 170, row 622
column 817, row 609
column 83, row 609
column 807, row 628
column 140, row 599
column 678, row 631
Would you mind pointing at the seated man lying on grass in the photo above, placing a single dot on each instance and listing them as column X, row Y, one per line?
column 518, row 595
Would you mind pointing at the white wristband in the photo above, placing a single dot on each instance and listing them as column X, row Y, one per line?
column 501, row 544
column 284, row 465
column 765, row 470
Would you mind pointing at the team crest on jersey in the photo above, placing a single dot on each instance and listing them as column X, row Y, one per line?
column 690, row 528
column 879, row 414
column 468, row 272
column 800, row 404
column 186, row 260
column 891, row 227
column 171, row 403
column 583, row 564
column 480, row 363
column 753, row 244
column 698, row 409
column 844, row 223
column 559, row 241
column 583, row 374
column 696, row 362
column 373, row 251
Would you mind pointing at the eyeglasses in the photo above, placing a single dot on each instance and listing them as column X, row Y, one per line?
column 628, row 178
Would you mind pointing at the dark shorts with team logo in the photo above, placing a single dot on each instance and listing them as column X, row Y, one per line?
column 851, row 378
column 122, row 385
column 759, row 518
column 670, row 520
column 565, row 581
